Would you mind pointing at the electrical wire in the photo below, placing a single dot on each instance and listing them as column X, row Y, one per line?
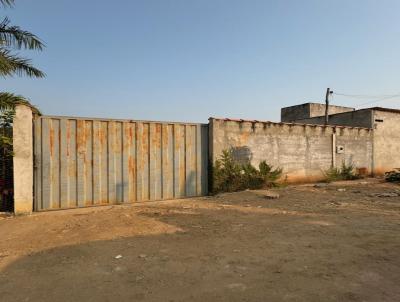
column 378, row 98
column 365, row 96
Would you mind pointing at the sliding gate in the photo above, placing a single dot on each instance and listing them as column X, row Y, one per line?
column 83, row 162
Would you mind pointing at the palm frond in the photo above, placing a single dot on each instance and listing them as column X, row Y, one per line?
column 6, row 3
column 11, row 64
column 16, row 37
column 8, row 101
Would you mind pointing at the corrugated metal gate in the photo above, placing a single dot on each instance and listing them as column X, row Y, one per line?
column 84, row 162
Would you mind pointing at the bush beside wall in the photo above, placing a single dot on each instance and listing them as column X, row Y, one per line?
column 230, row 176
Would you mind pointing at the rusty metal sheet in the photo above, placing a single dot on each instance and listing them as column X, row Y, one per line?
column 38, row 167
column 179, row 161
column 83, row 162
column 167, row 161
column 190, row 160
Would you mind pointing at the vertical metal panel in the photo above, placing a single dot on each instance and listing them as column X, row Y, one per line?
column 46, row 185
column 155, row 180
column 199, row 166
column 89, row 163
column 103, row 169
column 118, row 162
column 111, row 175
column 55, row 163
column 167, row 161
column 126, row 143
column 38, row 181
column 64, row 180
column 72, row 163
column 204, row 140
column 143, row 162
column 179, row 161
column 139, row 162
column 83, row 162
column 190, row 166
column 97, row 163
column 130, row 137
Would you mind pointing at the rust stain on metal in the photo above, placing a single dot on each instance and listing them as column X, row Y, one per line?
column 147, row 156
column 128, row 137
column 51, row 140
column 156, row 138
column 131, row 167
column 117, row 139
column 129, row 132
column 68, row 137
column 188, row 140
column 87, row 159
column 180, row 142
column 145, row 144
column 177, row 138
column 165, row 135
column 80, row 137
column 101, row 134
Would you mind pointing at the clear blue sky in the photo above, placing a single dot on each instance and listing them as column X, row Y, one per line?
column 187, row 60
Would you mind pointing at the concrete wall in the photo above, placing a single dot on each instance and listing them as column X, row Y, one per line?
column 386, row 141
column 309, row 110
column 23, row 160
column 317, row 109
column 303, row 151
column 359, row 118
column 289, row 114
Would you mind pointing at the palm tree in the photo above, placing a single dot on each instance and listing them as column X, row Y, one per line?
column 14, row 38
column 9, row 100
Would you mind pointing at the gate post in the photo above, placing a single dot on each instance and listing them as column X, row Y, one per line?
column 23, row 160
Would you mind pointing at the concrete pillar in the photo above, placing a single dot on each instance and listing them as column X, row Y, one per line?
column 23, row 160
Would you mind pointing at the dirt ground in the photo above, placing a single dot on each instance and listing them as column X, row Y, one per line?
column 339, row 242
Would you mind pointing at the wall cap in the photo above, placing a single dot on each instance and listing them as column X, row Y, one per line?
column 289, row 124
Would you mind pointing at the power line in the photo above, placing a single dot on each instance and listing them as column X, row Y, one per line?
column 378, row 98
column 365, row 96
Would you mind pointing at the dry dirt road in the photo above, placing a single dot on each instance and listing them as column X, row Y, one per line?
column 310, row 244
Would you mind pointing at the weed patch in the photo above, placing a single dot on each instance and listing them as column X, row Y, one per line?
column 345, row 172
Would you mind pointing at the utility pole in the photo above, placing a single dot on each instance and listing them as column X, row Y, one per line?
column 328, row 92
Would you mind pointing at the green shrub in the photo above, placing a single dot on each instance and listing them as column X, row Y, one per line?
column 6, row 140
column 230, row 176
column 345, row 172
column 393, row 176
column 269, row 175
